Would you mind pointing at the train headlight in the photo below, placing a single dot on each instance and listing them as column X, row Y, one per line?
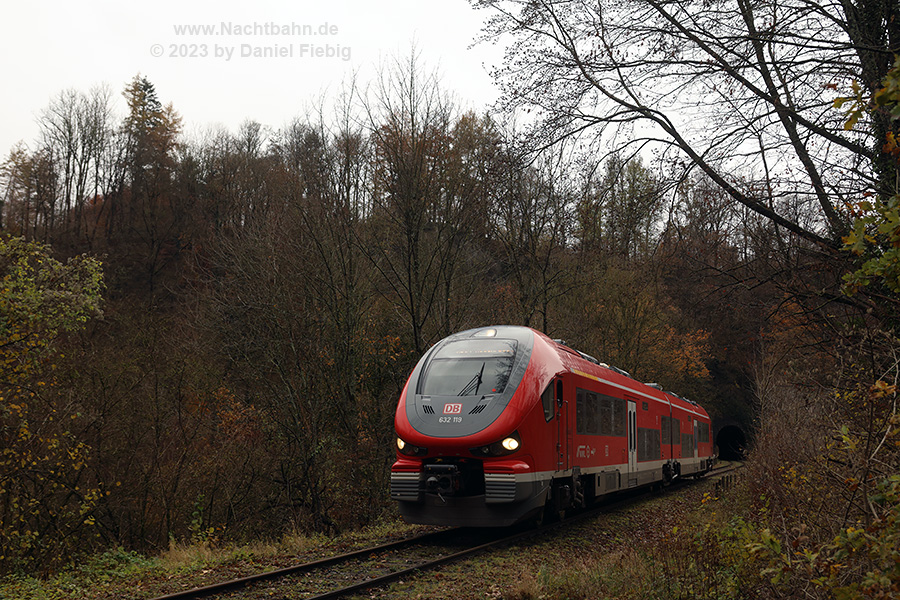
column 410, row 450
column 507, row 445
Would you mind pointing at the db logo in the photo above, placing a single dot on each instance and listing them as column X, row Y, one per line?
column 452, row 409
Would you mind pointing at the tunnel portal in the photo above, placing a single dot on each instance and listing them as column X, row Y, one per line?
column 732, row 443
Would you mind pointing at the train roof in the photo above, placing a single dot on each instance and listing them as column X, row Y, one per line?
column 587, row 365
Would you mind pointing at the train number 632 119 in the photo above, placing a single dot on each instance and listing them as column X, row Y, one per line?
column 450, row 420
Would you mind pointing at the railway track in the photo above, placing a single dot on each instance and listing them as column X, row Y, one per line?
column 431, row 550
column 391, row 561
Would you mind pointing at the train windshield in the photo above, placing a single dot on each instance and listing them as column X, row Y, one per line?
column 469, row 368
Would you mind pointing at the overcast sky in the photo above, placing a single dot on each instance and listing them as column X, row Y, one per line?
column 214, row 78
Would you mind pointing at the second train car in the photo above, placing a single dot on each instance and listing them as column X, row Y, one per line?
column 502, row 424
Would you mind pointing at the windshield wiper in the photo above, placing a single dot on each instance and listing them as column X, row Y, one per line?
column 476, row 382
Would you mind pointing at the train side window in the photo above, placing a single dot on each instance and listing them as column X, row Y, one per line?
column 704, row 433
column 547, row 402
column 620, row 417
column 591, row 424
column 581, row 411
column 648, row 444
column 671, row 430
column 605, row 421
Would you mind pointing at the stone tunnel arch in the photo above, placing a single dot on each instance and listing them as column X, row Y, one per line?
column 731, row 442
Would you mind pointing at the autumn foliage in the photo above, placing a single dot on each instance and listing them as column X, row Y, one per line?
column 47, row 495
column 267, row 292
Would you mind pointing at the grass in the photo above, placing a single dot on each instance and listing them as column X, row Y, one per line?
column 118, row 574
column 657, row 548
column 100, row 571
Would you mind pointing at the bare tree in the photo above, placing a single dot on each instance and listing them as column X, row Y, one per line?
column 533, row 221
column 741, row 90
column 619, row 211
column 29, row 201
column 418, row 224
column 76, row 133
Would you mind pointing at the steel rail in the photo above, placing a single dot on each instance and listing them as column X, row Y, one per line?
column 233, row 584
column 427, row 566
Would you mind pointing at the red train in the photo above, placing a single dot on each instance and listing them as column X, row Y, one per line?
column 498, row 425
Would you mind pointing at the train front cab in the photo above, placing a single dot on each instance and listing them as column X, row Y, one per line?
column 510, row 495
column 471, row 478
column 483, row 491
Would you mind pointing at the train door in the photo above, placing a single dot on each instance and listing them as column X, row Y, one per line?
column 632, row 443
column 562, row 429
column 696, row 438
